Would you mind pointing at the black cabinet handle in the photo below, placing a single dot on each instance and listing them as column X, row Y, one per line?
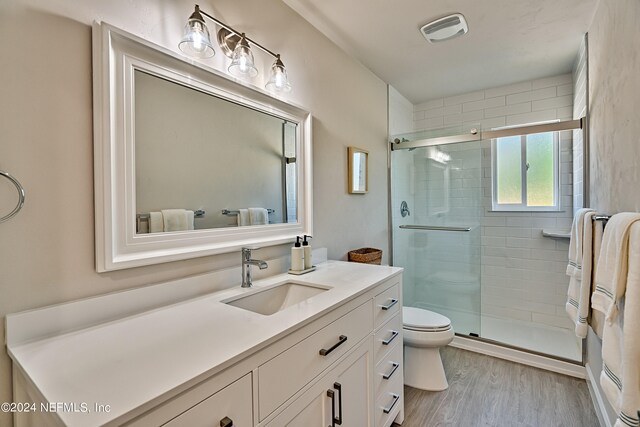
column 393, row 370
column 338, row 387
column 394, row 334
column 342, row 339
column 396, row 397
column 393, row 302
column 226, row 422
column 332, row 395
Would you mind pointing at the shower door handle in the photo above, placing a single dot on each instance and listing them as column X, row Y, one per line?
column 435, row 228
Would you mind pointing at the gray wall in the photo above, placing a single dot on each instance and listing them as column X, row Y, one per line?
column 614, row 86
column 47, row 251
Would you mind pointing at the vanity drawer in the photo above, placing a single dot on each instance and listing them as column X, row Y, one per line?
column 285, row 374
column 231, row 405
column 387, row 337
column 386, row 304
column 388, row 369
column 389, row 400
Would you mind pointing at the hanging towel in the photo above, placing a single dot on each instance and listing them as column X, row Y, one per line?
column 620, row 376
column 243, row 217
column 175, row 219
column 576, row 247
column 258, row 216
column 156, row 222
column 612, row 264
column 190, row 217
column 579, row 268
column 596, row 317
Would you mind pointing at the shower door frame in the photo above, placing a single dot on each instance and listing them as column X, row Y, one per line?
column 476, row 135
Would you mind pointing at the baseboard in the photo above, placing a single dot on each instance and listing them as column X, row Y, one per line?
column 519, row 356
column 597, row 398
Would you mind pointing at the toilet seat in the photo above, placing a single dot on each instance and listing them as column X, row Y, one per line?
column 421, row 320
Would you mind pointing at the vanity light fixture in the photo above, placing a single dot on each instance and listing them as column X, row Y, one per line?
column 196, row 43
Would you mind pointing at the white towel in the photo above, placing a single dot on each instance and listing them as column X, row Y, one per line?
column 243, row 217
column 258, row 216
column 175, row 220
column 613, row 261
column 190, row 216
column 576, row 246
column 620, row 377
column 579, row 269
column 596, row 320
column 156, row 222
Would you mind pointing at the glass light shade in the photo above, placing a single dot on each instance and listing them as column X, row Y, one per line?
column 196, row 41
column 279, row 82
column 242, row 60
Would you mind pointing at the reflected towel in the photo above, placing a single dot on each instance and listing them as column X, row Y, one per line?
column 580, row 269
column 620, row 376
column 243, row 217
column 156, row 222
column 258, row 216
column 611, row 277
column 190, row 222
column 175, row 220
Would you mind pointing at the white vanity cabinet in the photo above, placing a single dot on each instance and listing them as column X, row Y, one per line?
column 341, row 367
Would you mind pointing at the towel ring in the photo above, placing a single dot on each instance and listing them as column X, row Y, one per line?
column 20, row 197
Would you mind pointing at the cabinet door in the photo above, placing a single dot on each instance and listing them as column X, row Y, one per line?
column 353, row 394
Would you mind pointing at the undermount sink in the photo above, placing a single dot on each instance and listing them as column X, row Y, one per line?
column 277, row 298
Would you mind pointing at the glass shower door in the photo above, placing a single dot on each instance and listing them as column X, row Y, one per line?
column 436, row 201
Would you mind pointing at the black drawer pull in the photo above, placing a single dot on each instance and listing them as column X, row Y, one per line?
column 226, row 422
column 325, row 351
column 396, row 397
column 393, row 302
column 394, row 334
column 393, row 370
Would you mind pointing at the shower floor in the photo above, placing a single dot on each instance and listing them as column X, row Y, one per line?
column 526, row 335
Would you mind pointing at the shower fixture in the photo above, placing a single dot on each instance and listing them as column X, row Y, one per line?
column 445, row 28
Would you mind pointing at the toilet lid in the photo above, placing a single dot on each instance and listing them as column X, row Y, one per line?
column 420, row 319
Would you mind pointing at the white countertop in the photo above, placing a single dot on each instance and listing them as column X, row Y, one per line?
column 131, row 361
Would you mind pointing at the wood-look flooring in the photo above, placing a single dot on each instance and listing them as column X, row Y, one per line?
column 485, row 391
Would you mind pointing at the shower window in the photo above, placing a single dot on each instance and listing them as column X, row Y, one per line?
column 525, row 172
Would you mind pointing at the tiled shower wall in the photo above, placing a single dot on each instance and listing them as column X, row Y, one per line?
column 522, row 272
column 579, row 110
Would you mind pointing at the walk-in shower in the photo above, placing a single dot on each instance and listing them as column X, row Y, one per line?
column 490, row 271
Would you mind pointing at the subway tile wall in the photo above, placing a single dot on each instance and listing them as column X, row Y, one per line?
column 579, row 110
column 523, row 273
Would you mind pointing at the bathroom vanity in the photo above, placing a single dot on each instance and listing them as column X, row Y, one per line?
column 320, row 349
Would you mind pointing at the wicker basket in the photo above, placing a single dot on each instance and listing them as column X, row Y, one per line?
column 366, row 256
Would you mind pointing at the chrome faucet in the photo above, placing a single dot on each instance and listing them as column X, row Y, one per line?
column 247, row 262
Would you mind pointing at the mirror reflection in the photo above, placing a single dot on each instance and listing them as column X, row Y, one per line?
column 204, row 162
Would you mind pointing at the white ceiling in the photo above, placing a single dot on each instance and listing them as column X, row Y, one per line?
column 508, row 41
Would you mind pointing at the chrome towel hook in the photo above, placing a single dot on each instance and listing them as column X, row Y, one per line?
column 20, row 197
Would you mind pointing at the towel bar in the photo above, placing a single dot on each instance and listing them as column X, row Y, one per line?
column 236, row 211
column 20, row 197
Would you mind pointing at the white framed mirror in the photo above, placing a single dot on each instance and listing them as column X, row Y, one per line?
column 189, row 162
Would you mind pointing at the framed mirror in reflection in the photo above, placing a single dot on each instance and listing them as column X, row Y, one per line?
column 194, row 151
column 189, row 162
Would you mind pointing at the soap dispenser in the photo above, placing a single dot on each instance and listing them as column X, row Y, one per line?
column 308, row 258
column 297, row 256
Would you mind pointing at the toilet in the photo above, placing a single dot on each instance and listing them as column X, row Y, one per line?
column 424, row 333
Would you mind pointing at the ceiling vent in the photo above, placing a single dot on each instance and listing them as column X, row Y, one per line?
column 445, row 28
